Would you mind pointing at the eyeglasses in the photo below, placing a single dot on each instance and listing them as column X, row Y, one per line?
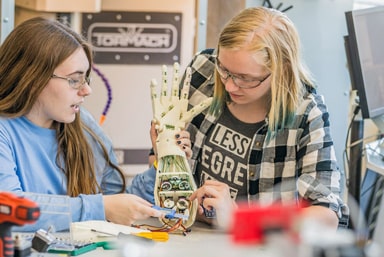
column 75, row 83
column 238, row 81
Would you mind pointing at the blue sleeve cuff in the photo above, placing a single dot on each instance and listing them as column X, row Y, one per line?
column 143, row 185
column 87, row 207
column 59, row 211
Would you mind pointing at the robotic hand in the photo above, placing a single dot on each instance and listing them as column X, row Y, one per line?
column 170, row 112
column 174, row 181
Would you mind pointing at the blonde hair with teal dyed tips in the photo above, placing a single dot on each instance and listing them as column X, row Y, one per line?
column 272, row 35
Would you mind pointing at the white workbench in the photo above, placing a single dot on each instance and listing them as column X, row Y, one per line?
column 201, row 241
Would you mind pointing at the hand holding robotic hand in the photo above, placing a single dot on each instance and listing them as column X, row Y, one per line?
column 170, row 111
column 174, row 182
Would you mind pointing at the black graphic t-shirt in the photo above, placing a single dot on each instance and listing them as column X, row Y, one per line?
column 224, row 157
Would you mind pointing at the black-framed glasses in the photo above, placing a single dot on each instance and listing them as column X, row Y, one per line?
column 75, row 83
column 238, row 81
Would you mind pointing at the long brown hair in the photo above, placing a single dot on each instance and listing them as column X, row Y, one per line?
column 28, row 58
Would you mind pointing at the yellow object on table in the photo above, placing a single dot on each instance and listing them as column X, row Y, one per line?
column 155, row 236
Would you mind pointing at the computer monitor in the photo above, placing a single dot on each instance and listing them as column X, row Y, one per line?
column 364, row 47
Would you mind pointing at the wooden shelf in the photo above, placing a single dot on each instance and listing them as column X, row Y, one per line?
column 60, row 5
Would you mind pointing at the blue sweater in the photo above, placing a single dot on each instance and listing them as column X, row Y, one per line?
column 28, row 167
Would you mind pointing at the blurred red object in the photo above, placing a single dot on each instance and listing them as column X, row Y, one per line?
column 252, row 224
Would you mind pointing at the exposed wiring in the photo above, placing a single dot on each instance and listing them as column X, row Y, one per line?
column 368, row 138
column 177, row 226
column 109, row 94
column 347, row 161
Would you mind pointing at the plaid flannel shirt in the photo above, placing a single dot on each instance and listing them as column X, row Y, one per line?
column 298, row 163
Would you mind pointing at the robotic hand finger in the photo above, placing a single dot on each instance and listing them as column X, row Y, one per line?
column 170, row 110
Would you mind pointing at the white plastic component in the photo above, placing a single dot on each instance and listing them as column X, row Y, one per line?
column 174, row 181
column 170, row 111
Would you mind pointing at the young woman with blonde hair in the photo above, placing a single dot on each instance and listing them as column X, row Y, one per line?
column 266, row 136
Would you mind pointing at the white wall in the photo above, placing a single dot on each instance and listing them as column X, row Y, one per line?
column 321, row 25
column 130, row 114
